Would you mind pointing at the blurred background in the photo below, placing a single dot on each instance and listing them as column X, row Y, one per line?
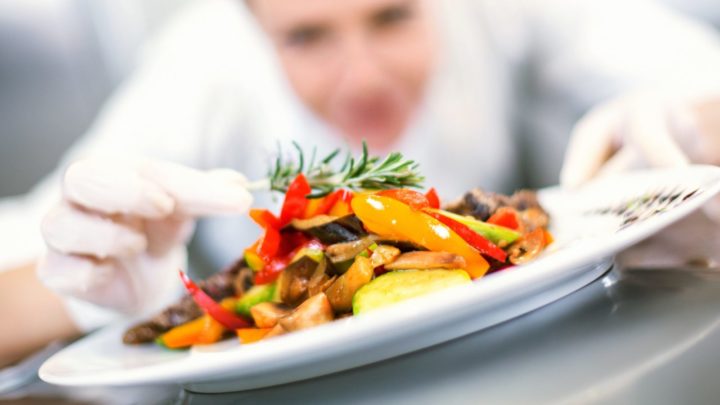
column 60, row 59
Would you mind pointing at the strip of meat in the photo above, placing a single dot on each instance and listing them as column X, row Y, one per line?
column 226, row 283
column 482, row 204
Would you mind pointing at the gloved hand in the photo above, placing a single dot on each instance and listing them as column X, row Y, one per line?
column 644, row 130
column 118, row 237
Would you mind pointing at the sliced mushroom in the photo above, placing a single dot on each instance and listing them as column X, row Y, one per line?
column 330, row 230
column 293, row 281
column 320, row 280
column 341, row 292
column 384, row 254
column 244, row 280
column 342, row 252
column 314, row 311
column 527, row 247
column 427, row 260
column 267, row 314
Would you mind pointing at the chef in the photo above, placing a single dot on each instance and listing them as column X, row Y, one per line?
column 481, row 93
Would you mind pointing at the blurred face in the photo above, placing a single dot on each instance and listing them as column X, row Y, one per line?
column 361, row 65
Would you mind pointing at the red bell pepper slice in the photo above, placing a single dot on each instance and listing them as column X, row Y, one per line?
column 433, row 198
column 414, row 199
column 271, row 271
column 291, row 244
column 506, row 217
column 264, row 218
column 331, row 199
column 295, row 200
column 269, row 244
column 212, row 308
column 474, row 239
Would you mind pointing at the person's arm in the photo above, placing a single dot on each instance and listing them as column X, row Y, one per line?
column 587, row 55
column 647, row 75
column 31, row 315
column 172, row 108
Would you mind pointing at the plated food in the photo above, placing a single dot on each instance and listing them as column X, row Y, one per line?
column 334, row 252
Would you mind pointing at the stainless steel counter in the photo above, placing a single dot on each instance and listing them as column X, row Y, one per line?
column 633, row 336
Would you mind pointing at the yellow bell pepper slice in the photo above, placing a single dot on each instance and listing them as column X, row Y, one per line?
column 391, row 218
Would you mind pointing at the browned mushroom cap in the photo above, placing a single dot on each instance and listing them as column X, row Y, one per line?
column 293, row 281
column 243, row 281
column 314, row 311
column 320, row 281
column 341, row 292
column 427, row 260
column 267, row 314
column 527, row 247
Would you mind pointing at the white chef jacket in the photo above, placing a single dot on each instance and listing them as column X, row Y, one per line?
column 511, row 78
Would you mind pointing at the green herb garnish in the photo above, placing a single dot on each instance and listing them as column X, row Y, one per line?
column 364, row 173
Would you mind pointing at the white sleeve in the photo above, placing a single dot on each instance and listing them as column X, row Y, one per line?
column 170, row 107
column 590, row 50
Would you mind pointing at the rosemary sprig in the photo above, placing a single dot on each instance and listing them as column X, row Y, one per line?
column 363, row 173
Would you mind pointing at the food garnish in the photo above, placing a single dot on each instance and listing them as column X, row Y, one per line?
column 323, row 176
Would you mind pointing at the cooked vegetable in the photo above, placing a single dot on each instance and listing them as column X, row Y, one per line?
column 291, row 243
column 331, row 253
column 320, row 280
column 433, row 198
column 251, row 335
column 295, row 200
column 397, row 286
column 182, row 336
column 203, row 330
column 527, row 247
column 388, row 217
column 256, row 295
column 330, row 230
column 341, row 292
column 403, row 245
column 243, row 281
column 276, row 331
column 498, row 235
column 412, row 198
column 253, row 259
column 264, row 218
column 506, row 217
column 266, row 314
column 313, row 253
column 314, row 311
column 427, row 260
column 212, row 308
column 294, row 280
column 474, row 239
column 338, row 200
column 383, row 254
column 342, row 255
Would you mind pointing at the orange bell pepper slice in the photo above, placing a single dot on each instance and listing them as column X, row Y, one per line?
column 388, row 217
column 251, row 335
column 203, row 330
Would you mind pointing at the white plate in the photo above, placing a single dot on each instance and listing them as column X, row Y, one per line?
column 590, row 225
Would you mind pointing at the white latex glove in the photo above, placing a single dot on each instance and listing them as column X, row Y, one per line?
column 118, row 237
column 640, row 130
